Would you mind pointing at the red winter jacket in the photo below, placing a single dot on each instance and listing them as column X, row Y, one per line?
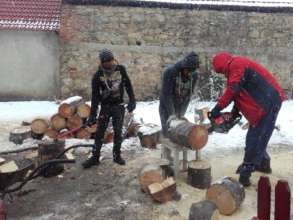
column 252, row 87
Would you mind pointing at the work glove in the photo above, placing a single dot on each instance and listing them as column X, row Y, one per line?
column 91, row 121
column 131, row 106
column 235, row 112
column 216, row 112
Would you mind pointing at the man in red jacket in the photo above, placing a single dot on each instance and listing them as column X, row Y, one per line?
column 258, row 96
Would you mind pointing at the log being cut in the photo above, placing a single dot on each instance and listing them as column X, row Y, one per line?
column 187, row 134
column 227, row 193
column 164, row 191
column 204, row 210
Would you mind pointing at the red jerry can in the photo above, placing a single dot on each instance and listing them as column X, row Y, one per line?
column 2, row 211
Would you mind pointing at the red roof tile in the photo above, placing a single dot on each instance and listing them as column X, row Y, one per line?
column 30, row 14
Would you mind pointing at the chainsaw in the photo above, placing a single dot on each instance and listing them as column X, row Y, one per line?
column 224, row 122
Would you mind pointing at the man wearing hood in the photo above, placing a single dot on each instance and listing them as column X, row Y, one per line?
column 108, row 86
column 258, row 96
column 177, row 86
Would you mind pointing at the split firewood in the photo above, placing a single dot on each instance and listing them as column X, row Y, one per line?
column 227, row 193
column 17, row 135
column 58, row 122
column 149, row 174
column 187, row 134
column 51, row 133
column 164, row 191
column 199, row 174
column 83, row 134
column 74, row 122
column 8, row 167
column 204, row 210
column 2, row 160
column 149, row 135
column 83, row 110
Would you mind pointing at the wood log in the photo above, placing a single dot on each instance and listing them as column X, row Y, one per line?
column 17, row 135
column 51, row 133
column 187, row 134
column 74, row 122
column 58, row 122
column 204, row 210
column 149, row 135
column 92, row 129
column 83, row 110
column 83, row 134
column 149, row 174
column 39, row 126
column 227, row 193
column 67, row 108
column 164, row 191
column 199, row 174
column 48, row 150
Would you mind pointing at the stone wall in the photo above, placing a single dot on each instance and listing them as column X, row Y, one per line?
column 146, row 40
column 29, row 65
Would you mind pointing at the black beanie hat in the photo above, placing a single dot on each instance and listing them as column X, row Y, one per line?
column 106, row 55
column 191, row 61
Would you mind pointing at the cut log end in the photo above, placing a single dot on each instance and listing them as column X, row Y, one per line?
column 39, row 126
column 83, row 110
column 74, row 122
column 83, row 134
column 51, row 133
column 17, row 135
column 198, row 137
column 58, row 122
column 227, row 194
column 66, row 110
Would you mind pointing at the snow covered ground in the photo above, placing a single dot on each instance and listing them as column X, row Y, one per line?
column 13, row 113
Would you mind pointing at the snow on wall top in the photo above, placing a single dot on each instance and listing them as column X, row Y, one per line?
column 30, row 14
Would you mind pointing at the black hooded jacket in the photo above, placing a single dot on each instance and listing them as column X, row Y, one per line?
column 176, row 89
column 109, row 90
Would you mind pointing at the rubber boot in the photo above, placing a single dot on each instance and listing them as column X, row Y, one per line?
column 92, row 161
column 118, row 159
column 265, row 166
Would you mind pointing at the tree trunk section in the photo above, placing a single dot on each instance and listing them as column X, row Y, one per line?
column 83, row 134
column 17, row 135
column 199, row 174
column 83, row 110
column 58, row 122
column 51, row 133
column 204, row 210
column 66, row 110
column 92, row 129
column 39, row 127
column 48, row 150
column 187, row 134
column 74, row 122
column 149, row 135
column 227, row 194
column 164, row 191
column 149, row 174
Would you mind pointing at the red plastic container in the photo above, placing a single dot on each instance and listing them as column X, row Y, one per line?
column 2, row 211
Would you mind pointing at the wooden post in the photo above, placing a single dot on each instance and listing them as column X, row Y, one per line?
column 149, row 174
column 264, row 198
column 282, row 200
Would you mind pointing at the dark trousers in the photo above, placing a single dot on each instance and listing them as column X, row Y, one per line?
column 257, row 139
column 116, row 112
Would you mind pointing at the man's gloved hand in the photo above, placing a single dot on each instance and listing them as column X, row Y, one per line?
column 216, row 112
column 235, row 112
column 131, row 106
column 91, row 121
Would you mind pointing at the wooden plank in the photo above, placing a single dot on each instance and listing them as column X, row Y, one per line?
column 264, row 198
column 282, row 200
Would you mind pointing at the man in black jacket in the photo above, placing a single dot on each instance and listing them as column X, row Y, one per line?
column 108, row 86
column 177, row 86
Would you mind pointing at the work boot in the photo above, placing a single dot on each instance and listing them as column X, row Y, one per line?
column 92, row 161
column 244, row 180
column 118, row 159
column 265, row 166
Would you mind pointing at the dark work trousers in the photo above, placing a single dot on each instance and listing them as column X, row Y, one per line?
column 116, row 112
column 164, row 117
column 257, row 139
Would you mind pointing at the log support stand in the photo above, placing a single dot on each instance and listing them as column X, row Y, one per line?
column 171, row 151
